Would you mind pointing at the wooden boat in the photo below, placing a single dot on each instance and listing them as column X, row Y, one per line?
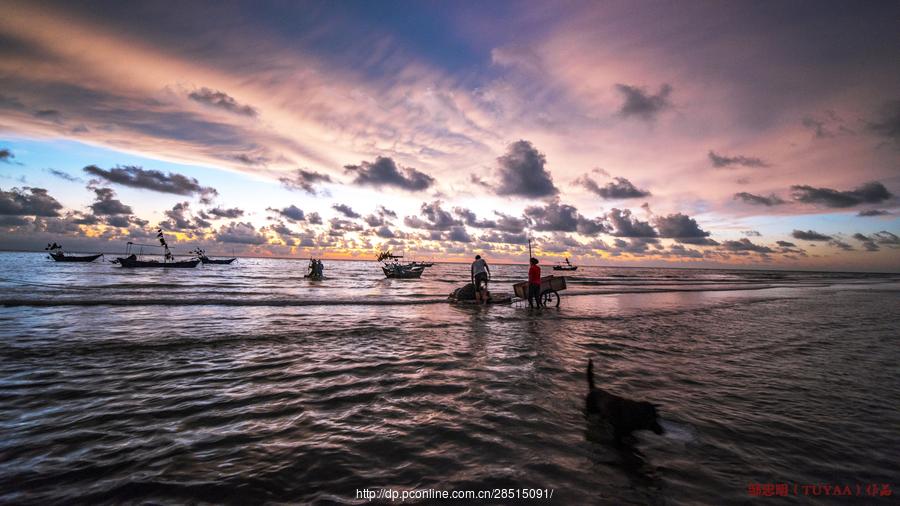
column 399, row 271
column 565, row 267
column 223, row 261
column 61, row 257
column 132, row 262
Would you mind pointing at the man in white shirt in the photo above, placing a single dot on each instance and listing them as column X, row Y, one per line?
column 481, row 274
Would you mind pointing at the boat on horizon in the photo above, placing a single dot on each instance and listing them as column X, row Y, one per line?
column 57, row 254
column 201, row 255
column 565, row 267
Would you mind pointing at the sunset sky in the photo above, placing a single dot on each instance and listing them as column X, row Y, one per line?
column 752, row 134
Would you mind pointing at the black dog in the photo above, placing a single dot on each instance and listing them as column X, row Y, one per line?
column 624, row 415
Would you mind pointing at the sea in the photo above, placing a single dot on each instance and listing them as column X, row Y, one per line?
column 247, row 384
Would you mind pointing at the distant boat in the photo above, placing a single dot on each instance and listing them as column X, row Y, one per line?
column 421, row 264
column 565, row 267
column 56, row 253
column 131, row 261
column 201, row 254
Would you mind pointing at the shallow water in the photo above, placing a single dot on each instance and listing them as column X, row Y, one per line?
column 247, row 383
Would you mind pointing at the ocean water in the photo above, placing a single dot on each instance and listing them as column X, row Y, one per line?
column 248, row 383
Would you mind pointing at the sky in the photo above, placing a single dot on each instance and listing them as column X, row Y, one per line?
column 756, row 134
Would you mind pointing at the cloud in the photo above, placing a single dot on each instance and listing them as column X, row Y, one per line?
column 683, row 229
column 888, row 124
column 512, row 224
column 626, row 225
column 522, row 172
column 28, row 201
column 240, row 233
column 384, row 232
column 435, row 218
column 872, row 242
column 305, row 180
column 869, row 193
column 381, row 216
column 384, row 172
column 6, row 155
column 810, row 235
column 640, row 103
column 338, row 227
column 751, row 233
column 505, row 238
column 771, row 200
column 621, row 188
column 346, row 211
column 745, row 245
column 221, row 100
column 873, row 212
column 553, row 217
column 720, row 161
column 179, row 219
column 137, row 177
column 313, row 218
column 786, row 244
column 867, row 242
column 292, row 213
column 106, row 204
column 459, row 234
column 472, row 220
column 64, row 175
column 219, row 212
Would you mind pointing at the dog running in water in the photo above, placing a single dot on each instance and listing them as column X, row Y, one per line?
column 624, row 415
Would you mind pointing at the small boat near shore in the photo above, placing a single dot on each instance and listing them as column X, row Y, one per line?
column 132, row 261
column 56, row 253
column 393, row 269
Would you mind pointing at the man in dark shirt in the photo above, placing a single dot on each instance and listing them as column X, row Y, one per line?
column 534, row 284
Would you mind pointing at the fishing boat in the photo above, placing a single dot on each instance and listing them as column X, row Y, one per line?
column 132, row 260
column 393, row 269
column 201, row 254
column 565, row 267
column 56, row 253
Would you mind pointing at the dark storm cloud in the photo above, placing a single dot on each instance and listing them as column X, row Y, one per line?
column 873, row 212
column 346, row 210
column 384, row 172
column 436, row 218
column 28, row 201
column 745, row 245
column 148, row 179
column 292, row 213
column 620, row 188
column 221, row 100
column 626, row 225
column 553, row 217
column 888, row 123
column 641, row 103
column 219, row 212
column 106, row 203
column 771, row 200
column 591, row 227
column 240, row 233
column 810, row 235
column 869, row 193
column 522, row 172
column 304, row 180
column 683, row 229
column 719, row 161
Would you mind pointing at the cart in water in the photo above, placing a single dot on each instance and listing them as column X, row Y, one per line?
column 550, row 288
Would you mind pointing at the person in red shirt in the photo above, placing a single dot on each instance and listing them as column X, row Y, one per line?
column 534, row 284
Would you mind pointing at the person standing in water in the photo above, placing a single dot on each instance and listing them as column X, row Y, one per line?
column 534, row 284
column 481, row 274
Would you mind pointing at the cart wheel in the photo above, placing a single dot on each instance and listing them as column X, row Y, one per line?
column 548, row 298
